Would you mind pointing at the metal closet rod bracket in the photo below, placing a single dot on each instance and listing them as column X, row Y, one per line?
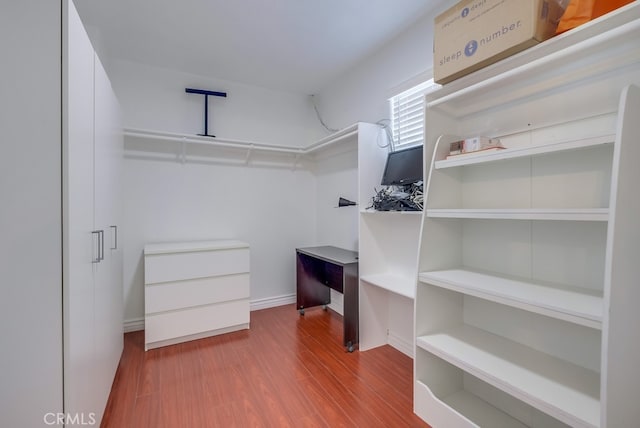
column 206, row 105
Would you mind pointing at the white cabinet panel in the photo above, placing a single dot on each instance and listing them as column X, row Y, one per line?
column 108, row 291
column 79, row 243
column 30, row 217
column 179, row 266
column 179, row 324
column 194, row 290
column 92, row 290
column 55, row 346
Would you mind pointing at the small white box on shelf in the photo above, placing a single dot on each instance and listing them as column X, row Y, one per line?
column 473, row 145
column 479, row 143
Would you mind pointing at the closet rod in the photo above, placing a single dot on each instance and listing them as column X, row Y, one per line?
column 210, row 142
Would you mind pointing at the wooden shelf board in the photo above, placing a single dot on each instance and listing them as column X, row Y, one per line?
column 394, row 283
column 568, row 304
column 563, row 390
column 567, row 214
column 519, row 152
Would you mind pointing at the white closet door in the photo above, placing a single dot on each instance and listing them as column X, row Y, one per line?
column 108, row 301
column 80, row 244
column 30, row 213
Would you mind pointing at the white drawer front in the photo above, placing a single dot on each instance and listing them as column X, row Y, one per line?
column 170, row 325
column 168, row 296
column 181, row 266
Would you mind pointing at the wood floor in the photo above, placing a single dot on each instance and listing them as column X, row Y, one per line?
column 286, row 371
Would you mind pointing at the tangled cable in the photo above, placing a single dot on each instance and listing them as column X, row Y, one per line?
column 399, row 198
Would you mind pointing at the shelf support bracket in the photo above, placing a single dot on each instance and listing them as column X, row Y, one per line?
column 183, row 151
column 248, row 157
column 206, row 105
column 295, row 161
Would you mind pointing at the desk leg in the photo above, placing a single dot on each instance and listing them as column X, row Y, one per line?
column 310, row 291
column 351, row 318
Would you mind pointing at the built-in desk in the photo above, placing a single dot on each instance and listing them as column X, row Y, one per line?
column 318, row 269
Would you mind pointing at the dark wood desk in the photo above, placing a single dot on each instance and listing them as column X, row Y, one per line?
column 320, row 268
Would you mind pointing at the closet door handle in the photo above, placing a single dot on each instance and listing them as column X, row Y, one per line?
column 98, row 242
column 115, row 237
column 101, row 245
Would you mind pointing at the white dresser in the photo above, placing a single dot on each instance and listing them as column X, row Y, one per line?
column 195, row 290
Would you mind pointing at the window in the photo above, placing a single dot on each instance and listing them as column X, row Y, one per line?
column 407, row 116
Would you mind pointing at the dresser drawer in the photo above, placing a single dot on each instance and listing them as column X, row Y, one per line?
column 160, row 268
column 191, row 321
column 167, row 296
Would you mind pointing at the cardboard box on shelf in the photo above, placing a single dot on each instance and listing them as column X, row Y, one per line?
column 475, row 33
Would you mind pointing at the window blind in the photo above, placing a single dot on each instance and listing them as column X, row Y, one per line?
column 407, row 116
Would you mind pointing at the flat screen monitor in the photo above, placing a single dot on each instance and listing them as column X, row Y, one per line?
column 403, row 167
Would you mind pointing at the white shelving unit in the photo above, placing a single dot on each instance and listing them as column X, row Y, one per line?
column 526, row 296
column 395, row 283
column 388, row 256
column 335, row 166
column 569, row 214
column 388, row 268
column 185, row 147
column 563, row 390
column 481, row 157
column 570, row 304
column 337, row 137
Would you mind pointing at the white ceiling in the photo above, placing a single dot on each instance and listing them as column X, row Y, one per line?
column 292, row 45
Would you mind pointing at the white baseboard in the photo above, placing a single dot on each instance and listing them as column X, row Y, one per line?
column 136, row 324
column 401, row 344
column 272, row 302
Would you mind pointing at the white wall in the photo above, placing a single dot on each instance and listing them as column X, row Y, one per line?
column 273, row 209
column 362, row 93
column 213, row 195
column 170, row 201
column 154, row 98
column 336, row 176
